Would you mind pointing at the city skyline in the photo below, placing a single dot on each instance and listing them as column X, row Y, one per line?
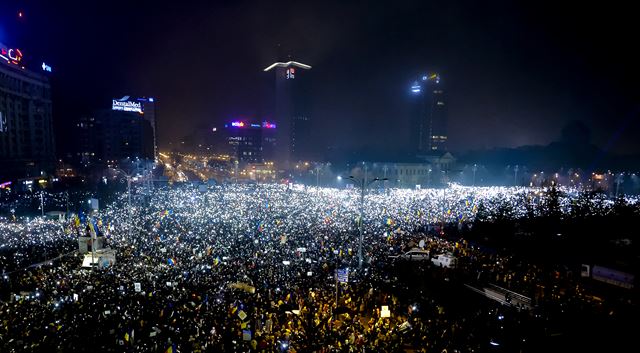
column 510, row 81
column 322, row 177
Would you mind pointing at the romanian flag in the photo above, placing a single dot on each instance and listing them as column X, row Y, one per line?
column 92, row 229
column 171, row 261
column 77, row 222
column 389, row 221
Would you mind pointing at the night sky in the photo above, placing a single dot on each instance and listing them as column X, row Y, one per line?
column 514, row 73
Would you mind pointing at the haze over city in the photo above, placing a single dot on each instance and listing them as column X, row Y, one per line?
column 514, row 73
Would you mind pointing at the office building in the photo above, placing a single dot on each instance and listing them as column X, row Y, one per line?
column 291, row 110
column 26, row 123
column 251, row 142
column 433, row 171
column 429, row 122
column 111, row 135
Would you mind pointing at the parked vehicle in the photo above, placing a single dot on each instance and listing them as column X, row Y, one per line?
column 445, row 260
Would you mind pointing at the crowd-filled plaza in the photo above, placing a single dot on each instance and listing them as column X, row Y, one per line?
column 239, row 268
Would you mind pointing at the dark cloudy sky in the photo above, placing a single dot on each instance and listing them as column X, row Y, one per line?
column 514, row 71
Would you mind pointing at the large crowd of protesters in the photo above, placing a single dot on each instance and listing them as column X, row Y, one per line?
column 252, row 268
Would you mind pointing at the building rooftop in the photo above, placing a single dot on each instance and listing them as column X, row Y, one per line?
column 288, row 64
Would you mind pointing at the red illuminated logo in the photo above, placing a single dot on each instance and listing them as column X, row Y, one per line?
column 13, row 56
column 291, row 73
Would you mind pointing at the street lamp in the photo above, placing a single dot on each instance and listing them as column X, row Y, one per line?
column 444, row 200
column 42, row 202
column 318, row 168
column 129, row 177
column 385, row 169
column 363, row 186
column 619, row 179
column 235, row 173
column 475, row 169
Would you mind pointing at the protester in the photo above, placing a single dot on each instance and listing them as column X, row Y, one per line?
column 242, row 268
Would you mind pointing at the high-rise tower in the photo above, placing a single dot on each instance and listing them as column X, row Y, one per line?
column 429, row 123
column 291, row 110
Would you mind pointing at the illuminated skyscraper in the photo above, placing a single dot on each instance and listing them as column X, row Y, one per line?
column 429, row 123
column 26, row 123
column 291, row 110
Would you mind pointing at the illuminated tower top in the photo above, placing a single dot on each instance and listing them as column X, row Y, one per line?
column 291, row 110
column 429, row 125
column 288, row 64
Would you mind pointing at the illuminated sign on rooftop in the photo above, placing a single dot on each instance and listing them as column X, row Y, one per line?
column 242, row 124
column 10, row 55
column 124, row 104
column 431, row 77
column 291, row 73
